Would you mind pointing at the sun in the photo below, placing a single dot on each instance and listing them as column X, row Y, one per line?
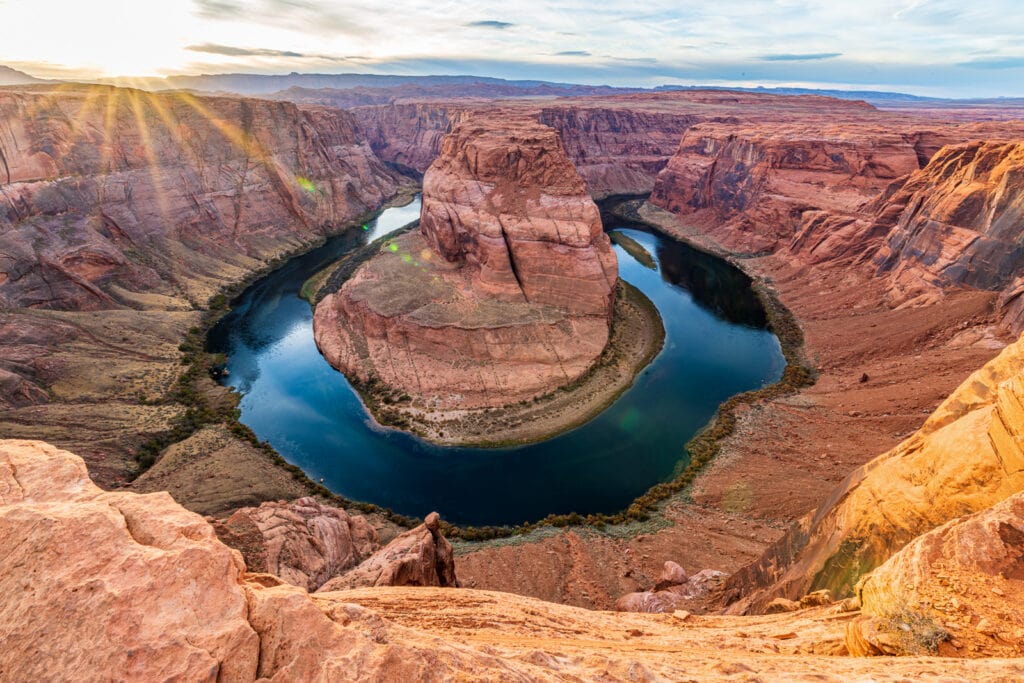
column 98, row 38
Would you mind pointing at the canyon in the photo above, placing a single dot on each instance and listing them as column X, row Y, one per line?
column 892, row 237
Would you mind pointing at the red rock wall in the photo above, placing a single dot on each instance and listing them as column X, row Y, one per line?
column 103, row 187
column 961, row 223
column 751, row 185
column 504, row 200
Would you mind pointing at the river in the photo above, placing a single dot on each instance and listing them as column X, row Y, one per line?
column 716, row 346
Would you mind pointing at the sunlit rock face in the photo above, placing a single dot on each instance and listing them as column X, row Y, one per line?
column 952, row 589
column 505, row 293
column 110, row 194
column 968, row 456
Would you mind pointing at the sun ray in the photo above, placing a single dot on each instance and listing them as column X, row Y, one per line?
column 153, row 163
column 109, row 119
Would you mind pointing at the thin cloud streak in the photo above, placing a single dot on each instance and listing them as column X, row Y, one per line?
column 806, row 57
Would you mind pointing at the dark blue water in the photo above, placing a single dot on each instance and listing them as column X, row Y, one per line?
column 716, row 346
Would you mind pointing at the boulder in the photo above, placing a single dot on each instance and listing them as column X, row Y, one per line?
column 303, row 542
column 418, row 557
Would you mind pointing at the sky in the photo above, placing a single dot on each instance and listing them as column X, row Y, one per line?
column 928, row 47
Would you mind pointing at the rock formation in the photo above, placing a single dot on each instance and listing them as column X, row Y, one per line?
column 955, row 590
column 303, row 542
column 143, row 206
column 110, row 194
column 103, row 585
column 968, row 456
column 751, row 185
column 962, row 222
column 506, row 292
column 418, row 557
column 673, row 590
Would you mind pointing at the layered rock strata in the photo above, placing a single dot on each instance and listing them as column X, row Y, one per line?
column 751, row 185
column 968, row 456
column 505, row 293
column 110, row 195
column 962, row 223
column 121, row 214
column 952, row 590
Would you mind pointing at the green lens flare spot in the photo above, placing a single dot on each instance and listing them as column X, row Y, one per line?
column 392, row 246
column 407, row 258
column 366, row 227
column 306, row 184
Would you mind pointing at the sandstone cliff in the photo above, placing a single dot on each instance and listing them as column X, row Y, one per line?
column 750, row 185
column 103, row 586
column 968, row 456
column 110, row 195
column 505, row 294
column 955, row 590
column 121, row 213
column 616, row 148
column 962, row 222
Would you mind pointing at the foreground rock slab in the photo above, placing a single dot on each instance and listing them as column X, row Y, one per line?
column 100, row 586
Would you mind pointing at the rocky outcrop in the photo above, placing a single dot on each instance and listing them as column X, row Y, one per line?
column 504, row 201
column 113, row 585
column 418, row 557
column 506, row 292
column 955, row 590
column 960, row 223
column 303, row 542
column 672, row 590
column 109, row 194
column 968, row 456
column 123, row 586
column 751, row 185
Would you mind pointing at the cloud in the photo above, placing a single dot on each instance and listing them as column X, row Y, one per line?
column 572, row 53
column 490, row 23
column 308, row 16
column 995, row 63
column 229, row 51
column 800, row 57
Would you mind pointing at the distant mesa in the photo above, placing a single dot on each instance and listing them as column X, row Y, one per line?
column 505, row 293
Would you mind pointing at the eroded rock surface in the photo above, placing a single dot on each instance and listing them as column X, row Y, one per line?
column 100, row 584
column 418, row 557
column 955, row 590
column 506, row 292
column 303, row 542
column 961, row 223
column 968, row 456
column 124, row 586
